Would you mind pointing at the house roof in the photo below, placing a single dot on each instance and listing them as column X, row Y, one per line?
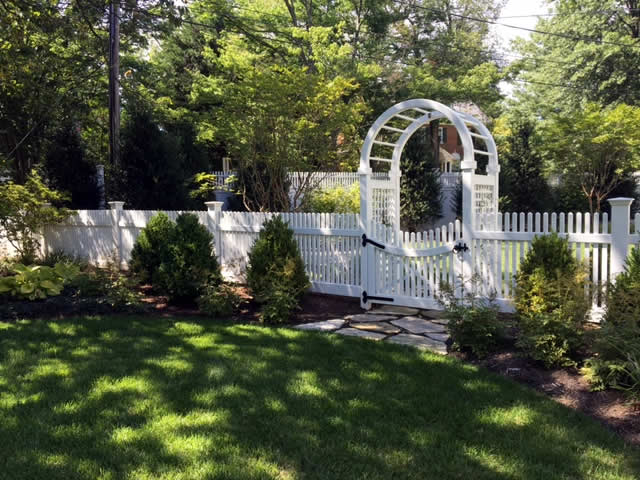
column 472, row 109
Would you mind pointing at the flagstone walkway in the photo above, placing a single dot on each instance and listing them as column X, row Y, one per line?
column 424, row 329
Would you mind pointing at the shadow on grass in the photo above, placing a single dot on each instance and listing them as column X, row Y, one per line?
column 144, row 397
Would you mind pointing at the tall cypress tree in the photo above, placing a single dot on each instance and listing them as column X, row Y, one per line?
column 420, row 190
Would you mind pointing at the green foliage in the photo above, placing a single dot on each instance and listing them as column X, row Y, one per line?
column 276, row 272
column 333, row 200
column 523, row 187
column 623, row 299
column 156, row 167
column 25, row 210
column 585, row 146
column 549, row 253
column 36, row 281
column 176, row 257
column 551, row 302
column 420, row 190
column 69, row 170
column 578, row 60
column 616, row 360
column 472, row 320
column 218, row 300
column 152, row 246
column 190, row 263
column 60, row 256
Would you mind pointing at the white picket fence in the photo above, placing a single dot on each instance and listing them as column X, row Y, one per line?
column 502, row 241
column 410, row 269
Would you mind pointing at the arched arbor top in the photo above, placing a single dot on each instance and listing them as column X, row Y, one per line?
column 389, row 134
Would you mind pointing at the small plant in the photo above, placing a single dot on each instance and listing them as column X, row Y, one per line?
column 152, row 246
column 276, row 272
column 190, row 263
column 616, row 346
column 218, row 300
column 36, row 281
column 60, row 256
column 551, row 302
column 472, row 321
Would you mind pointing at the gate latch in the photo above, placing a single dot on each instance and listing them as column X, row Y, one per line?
column 460, row 247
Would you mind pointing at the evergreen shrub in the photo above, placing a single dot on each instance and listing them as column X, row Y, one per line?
column 276, row 274
column 177, row 257
column 616, row 346
column 551, row 302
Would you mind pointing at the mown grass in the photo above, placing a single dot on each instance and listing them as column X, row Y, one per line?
column 165, row 398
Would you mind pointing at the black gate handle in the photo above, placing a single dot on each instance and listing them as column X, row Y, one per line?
column 366, row 240
column 460, row 247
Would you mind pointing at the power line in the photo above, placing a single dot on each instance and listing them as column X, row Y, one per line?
column 532, row 30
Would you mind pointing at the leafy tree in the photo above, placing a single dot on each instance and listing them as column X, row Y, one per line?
column 596, row 147
column 25, row 210
column 589, row 53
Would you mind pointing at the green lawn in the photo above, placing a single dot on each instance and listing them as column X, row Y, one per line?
column 159, row 398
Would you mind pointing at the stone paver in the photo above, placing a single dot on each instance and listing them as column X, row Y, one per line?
column 440, row 337
column 354, row 332
column 418, row 325
column 435, row 315
column 419, row 341
column 393, row 310
column 366, row 317
column 381, row 327
column 325, row 326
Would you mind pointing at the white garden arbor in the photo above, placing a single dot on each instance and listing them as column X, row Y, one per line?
column 430, row 255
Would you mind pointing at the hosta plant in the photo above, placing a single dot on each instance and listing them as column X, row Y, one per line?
column 36, row 281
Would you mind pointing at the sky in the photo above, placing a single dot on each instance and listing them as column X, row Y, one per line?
column 515, row 8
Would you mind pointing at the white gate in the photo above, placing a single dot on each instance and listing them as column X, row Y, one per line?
column 407, row 269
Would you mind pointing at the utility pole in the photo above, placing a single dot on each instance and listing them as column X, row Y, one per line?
column 114, row 84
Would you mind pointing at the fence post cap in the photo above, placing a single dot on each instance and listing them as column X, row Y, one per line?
column 116, row 205
column 214, row 206
column 620, row 201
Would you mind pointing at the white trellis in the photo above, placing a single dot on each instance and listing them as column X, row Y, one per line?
column 380, row 196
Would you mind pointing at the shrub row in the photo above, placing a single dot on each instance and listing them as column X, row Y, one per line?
column 177, row 258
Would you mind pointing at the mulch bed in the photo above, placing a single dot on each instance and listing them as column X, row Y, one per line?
column 564, row 385
column 567, row 386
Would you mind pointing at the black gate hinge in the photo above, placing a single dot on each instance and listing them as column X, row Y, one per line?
column 366, row 298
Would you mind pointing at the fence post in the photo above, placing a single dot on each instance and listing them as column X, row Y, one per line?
column 116, row 209
column 214, row 212
column 620, row 231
